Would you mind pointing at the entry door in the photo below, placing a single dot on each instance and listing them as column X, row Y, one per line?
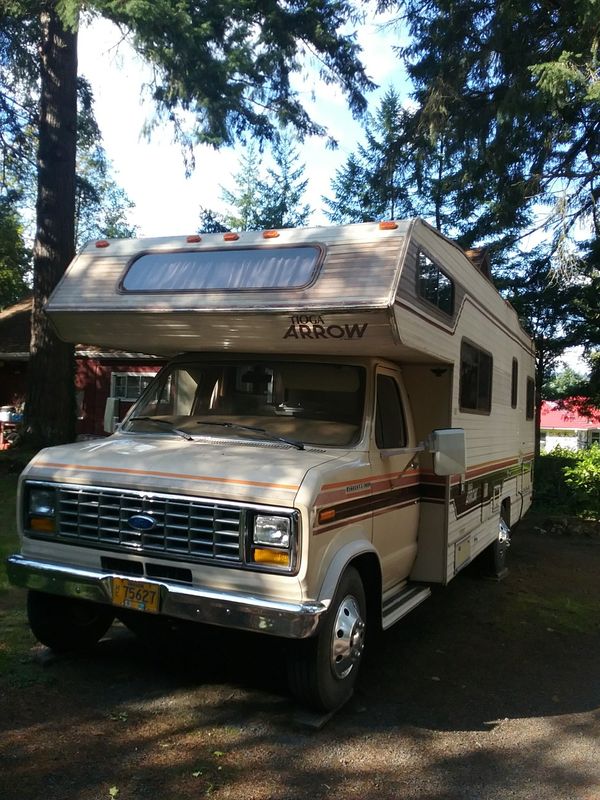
column 396, row 487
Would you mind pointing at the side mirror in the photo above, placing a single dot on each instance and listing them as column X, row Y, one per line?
column 111, row 414
column 449, row 451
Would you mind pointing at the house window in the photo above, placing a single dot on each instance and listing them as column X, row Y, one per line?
column 129, row 385
column 514, row 384
column 390, row 428
column 530, row 400
column 594, row 437
column 434, row 285
column 476, row 367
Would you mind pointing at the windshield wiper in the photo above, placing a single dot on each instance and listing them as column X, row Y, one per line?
column 271, row 436
column 170, row 425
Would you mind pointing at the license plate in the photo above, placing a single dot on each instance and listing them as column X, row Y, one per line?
column 136, row 594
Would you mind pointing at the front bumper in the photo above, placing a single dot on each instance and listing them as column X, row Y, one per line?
column 227, row 609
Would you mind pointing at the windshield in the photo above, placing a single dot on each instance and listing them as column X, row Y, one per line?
column 319, row 404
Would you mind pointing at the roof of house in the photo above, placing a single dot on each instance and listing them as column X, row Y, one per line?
column 556, row 418
column 15, row 322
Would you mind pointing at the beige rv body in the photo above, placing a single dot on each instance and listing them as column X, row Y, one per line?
column 382, row 510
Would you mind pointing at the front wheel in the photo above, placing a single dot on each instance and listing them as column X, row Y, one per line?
column 322, row 670
column 66, row 624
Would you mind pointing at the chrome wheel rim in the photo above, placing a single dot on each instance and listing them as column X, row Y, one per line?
column 348, row 638
column 503, row 533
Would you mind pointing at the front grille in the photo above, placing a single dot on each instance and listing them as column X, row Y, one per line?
column 187, row 529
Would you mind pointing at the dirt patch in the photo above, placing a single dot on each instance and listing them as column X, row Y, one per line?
column 488, row 690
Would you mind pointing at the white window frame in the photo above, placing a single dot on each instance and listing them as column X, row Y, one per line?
column 140, row 375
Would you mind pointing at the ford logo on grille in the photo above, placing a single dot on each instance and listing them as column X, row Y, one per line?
column 141, row 522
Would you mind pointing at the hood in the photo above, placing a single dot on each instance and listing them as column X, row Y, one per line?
column 254, row 471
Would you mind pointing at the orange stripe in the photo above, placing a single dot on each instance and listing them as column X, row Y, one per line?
column 121, row 470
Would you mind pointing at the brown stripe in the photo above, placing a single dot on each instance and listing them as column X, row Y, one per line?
column 383, row 502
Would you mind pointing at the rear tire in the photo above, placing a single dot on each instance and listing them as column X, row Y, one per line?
column 497, row 552
column 322, row 670
column 67, row 624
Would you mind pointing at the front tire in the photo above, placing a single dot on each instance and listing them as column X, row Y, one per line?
column 67, row 624
column 322, row 670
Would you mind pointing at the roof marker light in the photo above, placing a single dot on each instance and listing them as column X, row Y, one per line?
column 194, row 238
column 102, row 243
column 231, row 237
column 388, row 225
column 270, row 234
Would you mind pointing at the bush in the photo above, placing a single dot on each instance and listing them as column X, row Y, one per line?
column 583, row 477
column 552, row 494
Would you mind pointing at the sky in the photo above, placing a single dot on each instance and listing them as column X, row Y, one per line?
column 152, row 171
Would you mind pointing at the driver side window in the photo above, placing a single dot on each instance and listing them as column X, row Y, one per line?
column 390, row 427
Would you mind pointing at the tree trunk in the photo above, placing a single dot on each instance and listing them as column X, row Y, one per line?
column 50, row 408
column 540, row 376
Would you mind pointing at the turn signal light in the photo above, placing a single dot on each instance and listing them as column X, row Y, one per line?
column 388, row 225
column 270, row 234
column 193, row 238
column 43, row 524
column 264, row 556
column 327, row 515
column 231, row 237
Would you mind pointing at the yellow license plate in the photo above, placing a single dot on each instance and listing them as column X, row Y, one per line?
column 136, row 595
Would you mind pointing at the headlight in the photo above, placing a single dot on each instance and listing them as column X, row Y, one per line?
column 42, row 502
column 41, row 509
column 272, row 531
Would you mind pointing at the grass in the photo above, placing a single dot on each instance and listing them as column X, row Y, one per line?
column 17, row 668
column 560, row 612
column 9, row 542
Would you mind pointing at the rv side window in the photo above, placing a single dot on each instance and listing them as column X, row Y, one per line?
column 530, row 401
column 434, row 285
column 514, row 384
column 476, row 367
column 390, row 429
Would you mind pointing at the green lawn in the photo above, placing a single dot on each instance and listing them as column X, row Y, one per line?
column 17, row 667
column 8, row 527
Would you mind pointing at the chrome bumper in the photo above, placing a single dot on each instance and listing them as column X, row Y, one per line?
column 227, row 609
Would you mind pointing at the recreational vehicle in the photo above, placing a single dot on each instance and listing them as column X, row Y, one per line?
column 346, row 420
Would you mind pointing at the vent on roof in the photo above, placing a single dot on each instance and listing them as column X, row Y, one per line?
column 480, row 258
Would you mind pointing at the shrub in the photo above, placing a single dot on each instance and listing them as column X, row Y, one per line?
column 583, row 476
column 552, row 494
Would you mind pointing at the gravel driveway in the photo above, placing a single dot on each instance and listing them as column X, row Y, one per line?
column 488, row 691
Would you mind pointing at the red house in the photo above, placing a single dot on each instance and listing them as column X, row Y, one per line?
column 99, row 374
column 560, row 427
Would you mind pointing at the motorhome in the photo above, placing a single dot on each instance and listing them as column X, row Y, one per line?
column 345, row 421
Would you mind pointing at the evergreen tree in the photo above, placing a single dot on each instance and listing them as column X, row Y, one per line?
column 244, row 198
column 512, row 89
column 281, row 194
column 100, row 204
column 227, row 63
column 14, row 256
column 396, row 172
column 270, row 197
column 211, row 222
column 351, row 201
